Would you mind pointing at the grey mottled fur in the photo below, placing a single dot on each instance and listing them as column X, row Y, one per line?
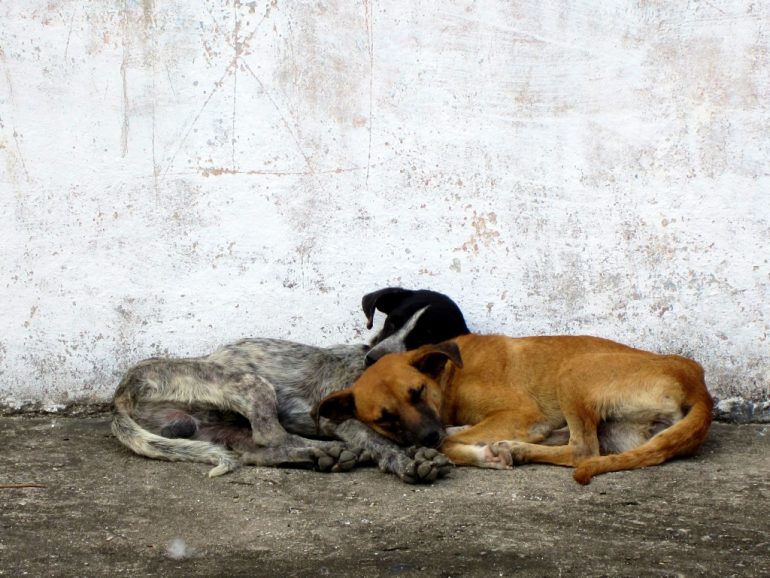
column 188, row 410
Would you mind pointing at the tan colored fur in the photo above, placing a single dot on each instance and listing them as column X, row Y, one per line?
column 516, row 394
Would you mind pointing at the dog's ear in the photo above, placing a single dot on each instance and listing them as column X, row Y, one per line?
column 337, row 407
column 384, row 300
column 431, row 359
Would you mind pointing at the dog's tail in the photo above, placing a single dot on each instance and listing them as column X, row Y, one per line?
column 680, row 439
column 148, row 444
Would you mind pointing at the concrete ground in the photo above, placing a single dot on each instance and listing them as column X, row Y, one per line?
column 102, row 511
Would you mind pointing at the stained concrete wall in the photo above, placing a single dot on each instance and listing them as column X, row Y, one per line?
column 178, row 174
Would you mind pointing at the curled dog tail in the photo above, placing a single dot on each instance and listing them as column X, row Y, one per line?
column 682, row 438
column 145, row 443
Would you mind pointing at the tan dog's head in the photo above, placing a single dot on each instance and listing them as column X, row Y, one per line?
column 398, row 396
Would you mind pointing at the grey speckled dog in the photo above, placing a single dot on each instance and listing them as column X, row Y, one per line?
column 252, row 402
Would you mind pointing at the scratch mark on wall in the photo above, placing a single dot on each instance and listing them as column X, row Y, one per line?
column 236, row 55
column 3, row 351
column 15, row 134
column 715, row 7
column 523, row 36
column 124, row 78
column 217, row 85
column 239, row 47
column 170, row 82
column 304, row 250
column 69, row 34
column 149, row 24
column 7, row 73
column 370, row 41
column 285, row 123
column 155, row 167
column 219, row 171
column 21, row 156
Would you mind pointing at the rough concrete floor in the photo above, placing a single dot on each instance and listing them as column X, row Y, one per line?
column 105, row 512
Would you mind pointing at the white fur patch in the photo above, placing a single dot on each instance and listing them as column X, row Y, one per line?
column 395, row 343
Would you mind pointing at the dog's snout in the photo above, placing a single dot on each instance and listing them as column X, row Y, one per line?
column 431, row 439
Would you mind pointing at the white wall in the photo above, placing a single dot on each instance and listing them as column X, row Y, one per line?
column 178, row 174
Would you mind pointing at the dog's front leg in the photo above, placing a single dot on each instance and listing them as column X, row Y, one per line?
column 420, row 466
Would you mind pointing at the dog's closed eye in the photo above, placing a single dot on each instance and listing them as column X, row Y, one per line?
column 415, row 395
column 387, row 418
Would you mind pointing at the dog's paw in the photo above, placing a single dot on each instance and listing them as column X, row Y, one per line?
column 425, row 466
column 336, row 458
column 225, row 466
column 346, row 460
column 499, row 455
column 363, row 456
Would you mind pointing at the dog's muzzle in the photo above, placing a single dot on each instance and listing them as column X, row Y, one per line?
column 431, row 439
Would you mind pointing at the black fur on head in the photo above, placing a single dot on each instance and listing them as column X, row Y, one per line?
column 414, row 318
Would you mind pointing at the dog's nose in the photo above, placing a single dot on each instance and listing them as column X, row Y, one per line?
column 431, row 439
column 370, row 359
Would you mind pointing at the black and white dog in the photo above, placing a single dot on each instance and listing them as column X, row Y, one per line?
column 414, row 318
column 252, row 402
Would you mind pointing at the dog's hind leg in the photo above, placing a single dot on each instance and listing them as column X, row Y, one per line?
column 473, row 446
column 513, row 452
column 258, row 433
column 582, row 421
column 669, row 394
column 270, row 444
column 583, row 443
column 170, row 420
column 323, row 456
column 165, row 393
column 148, row 444
column 153, row 383
column 625, row 413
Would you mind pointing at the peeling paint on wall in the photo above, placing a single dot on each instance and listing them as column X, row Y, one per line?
column 176, row 175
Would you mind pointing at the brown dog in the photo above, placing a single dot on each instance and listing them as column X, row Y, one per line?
column 624, row 408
